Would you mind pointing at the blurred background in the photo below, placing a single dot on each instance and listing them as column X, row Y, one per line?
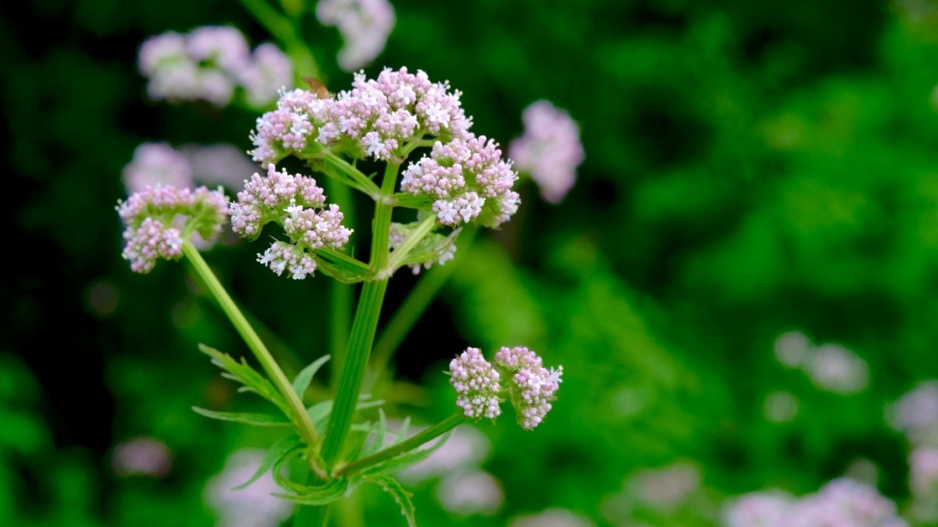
column 741, row 285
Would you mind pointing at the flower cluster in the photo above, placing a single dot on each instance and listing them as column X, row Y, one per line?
column 841, row 502
column 478, row 384
column 210, row 63
column 433, row 249
column 375, row 118
column 298, row 204
column 550, row 149
column 364, row 25
column 158, row 219
column 466, row 179
column 532, row 386
column 916, row 414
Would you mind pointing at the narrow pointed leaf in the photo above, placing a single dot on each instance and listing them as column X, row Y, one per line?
column 301, row 383
column 246, row 418
column 278, row 451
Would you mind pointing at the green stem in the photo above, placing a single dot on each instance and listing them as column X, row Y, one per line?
column 351, row 175
column 363, row 329
column 300, row 417
column 340, row 297
column 407, row 445
column 415, row 305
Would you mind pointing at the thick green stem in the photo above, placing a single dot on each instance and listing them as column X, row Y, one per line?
column 407, row 445
column 340, row 298
column 300, row 417
column 363, row 329
column 415, row 305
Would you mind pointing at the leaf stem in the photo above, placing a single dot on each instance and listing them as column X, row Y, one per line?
column 407, row 445
column 300, row 417
column 425, row 227
column 283, row 30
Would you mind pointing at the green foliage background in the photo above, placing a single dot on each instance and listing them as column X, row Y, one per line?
column 751, row 168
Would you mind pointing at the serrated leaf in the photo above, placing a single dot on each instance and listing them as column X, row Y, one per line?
column 302, row 380
column 243, row 373
column 246, row 418
column 278, row 451
column 400, row 495
column 405, row 460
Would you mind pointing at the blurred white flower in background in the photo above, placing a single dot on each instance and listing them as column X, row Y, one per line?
column 554, row 517
column 143, row 456
column 253, row 506
column 470, row 492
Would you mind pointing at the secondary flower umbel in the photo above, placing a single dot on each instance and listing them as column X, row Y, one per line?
column 531, row 387
column 298, row 204
column 160, row 218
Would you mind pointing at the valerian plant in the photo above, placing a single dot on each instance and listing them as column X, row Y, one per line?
column 461, row 181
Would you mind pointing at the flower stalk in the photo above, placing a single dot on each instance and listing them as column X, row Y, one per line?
column 300, row 416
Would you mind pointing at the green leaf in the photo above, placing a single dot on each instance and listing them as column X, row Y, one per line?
column 246, row 418
column 378, row 441
column 341, row 266
column 405, row 460
column 319, row 412
column 243, row 373
column 400, row 495
column 302, row 380
column 402, row 432
column 278, row 451
column 327, row 492
column 410, row 201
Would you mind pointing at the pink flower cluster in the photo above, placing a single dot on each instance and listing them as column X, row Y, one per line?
column 210, row 63
column 159, row 218
column 532, row 386
column 841, row 502
column 364, row 25
column 477, row 385
column 467, row 179
column 550, row 149
column 298, row 204
column 375, row 118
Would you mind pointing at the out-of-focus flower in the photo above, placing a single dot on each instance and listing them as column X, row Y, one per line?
column 916, row 414
column 842, row 502
column 923, row 472
column 466, row 448
column 364, row 25
column 470, row 492
column 550, row 149
column 209, row 64
column 665, row 488
column 836, row 369
column 758, row 509
column 532, row 386
column 253, row 506
column 145, row 456
column 554, row 517
column 269, row 71
column 791, row 348
column 157, row 164
column 219, row 164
